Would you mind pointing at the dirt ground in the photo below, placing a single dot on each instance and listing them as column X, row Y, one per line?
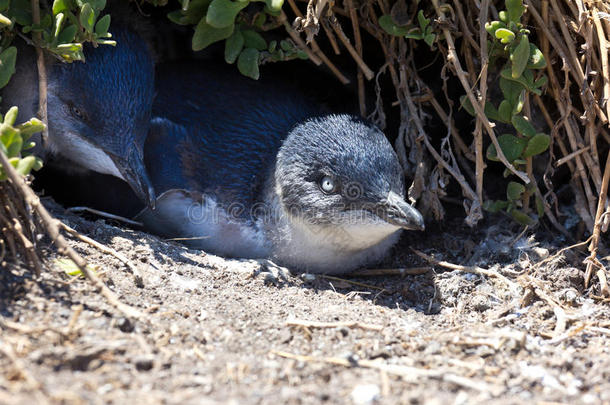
column 218, row 331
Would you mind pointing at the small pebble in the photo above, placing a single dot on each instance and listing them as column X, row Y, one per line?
column 365, row 394
column 144, row 363
column 308, row 278
column 480, row 303
column 125, row 325
column 569, row 296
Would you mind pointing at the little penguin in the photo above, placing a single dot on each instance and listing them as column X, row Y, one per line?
column 99, row 112
column 253, row 169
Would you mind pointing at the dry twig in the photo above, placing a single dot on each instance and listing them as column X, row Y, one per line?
column 52, row 227
column 105, row 249
column 466, row 269
column 410, row 374
column 324, row 325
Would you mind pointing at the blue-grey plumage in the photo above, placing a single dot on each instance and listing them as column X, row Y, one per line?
column 99, row 111
column 255, row 169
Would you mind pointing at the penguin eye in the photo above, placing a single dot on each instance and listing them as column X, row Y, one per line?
column 78, row 113
column 327, row 184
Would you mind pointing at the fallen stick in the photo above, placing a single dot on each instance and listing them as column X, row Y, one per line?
column 465, row 269
column 410, row 374
column 323, row 325
column 105, row 249
column 105, row 215
column 404, row 271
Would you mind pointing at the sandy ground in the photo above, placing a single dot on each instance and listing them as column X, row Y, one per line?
column 218, row 331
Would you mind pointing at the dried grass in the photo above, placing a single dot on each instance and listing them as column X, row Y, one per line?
column 573, row 35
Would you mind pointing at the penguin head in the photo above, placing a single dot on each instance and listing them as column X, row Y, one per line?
column 99, row 111
column 340, row 172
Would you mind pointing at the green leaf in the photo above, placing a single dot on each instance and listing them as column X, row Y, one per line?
column 491, row 112
column 520, row 56
column 518, row 106
column 8, row 57
column 70, row 48
column 177, row 17
column 272, row 46
column 101, row 28
column 71, row 52
column 389, row 26
column 510, row 89
column 5, row 21
column 222, row 13
column 87, row 17
column 414, row 33
column 11, row 116
column 514, row 190
column 20, row 11
column 106, row 42
column 253, row 39
column 233, row 46
column 247, row 63
column 191, row 13
column 523, row 126
column 522, row 217
column 429, row 39
column 541, row 81
column 70, row 268
column 537, row 144
column 511, row 145
column 97, row 4
column 526, row 80
column 7, row 133
column 465, row 102
column 59, row 23
column 536, row 59
column 505, row 35
column 30, row 127
column 505, row 111
column 67, row 35
column 196, row 10
column 515, row 10
column 14, row 147
column 495, row 206
column 422, row 20
column 37, row 164
column 274, row 5
column 25, row 165
column 492, row 27
column 60, row 6
column 205, row 35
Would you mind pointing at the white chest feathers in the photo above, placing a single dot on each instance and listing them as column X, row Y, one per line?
column 198, row 221
column 358, row 240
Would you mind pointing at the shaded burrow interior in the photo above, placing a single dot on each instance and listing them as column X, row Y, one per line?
column 171, row 43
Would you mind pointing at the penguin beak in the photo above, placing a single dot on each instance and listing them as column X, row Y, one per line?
column 396, row 211
column 135, row 174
